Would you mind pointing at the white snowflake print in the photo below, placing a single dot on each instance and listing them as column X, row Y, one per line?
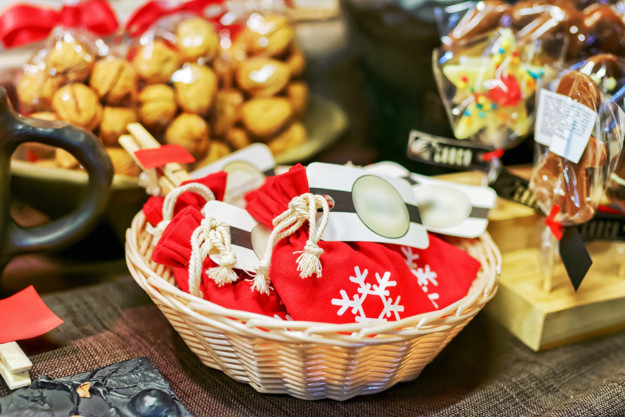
column 365, row 289
column 425, row 276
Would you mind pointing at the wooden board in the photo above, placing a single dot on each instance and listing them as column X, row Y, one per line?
column 542, row 319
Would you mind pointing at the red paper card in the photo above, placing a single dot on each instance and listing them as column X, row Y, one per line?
column 158, row 157
column 25, row 315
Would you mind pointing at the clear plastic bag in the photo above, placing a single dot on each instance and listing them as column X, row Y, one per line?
column 75, row 78
column 217, row 84
column 488, row 86
column 572, row 171
column 583, row 28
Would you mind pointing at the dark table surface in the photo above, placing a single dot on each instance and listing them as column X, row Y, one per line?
column 484, row 371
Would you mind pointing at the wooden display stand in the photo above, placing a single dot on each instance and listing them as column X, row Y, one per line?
column 544, row 319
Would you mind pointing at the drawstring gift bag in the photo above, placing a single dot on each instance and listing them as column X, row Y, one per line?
column 331, row 281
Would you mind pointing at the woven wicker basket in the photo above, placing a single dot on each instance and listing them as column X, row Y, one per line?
column 309, row 360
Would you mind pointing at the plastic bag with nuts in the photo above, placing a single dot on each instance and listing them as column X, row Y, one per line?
column 75, row 78
column 217, row 84
column 579, row 137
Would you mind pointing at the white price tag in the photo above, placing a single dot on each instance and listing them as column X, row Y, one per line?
column 367, row 207
column 563, row 125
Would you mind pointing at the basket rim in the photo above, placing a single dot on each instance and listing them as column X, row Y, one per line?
column 482, row 290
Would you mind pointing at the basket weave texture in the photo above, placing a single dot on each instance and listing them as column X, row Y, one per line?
column 309, row 360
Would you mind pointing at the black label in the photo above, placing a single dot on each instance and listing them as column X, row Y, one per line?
column 604, row 226
column 512, row 187
column 445, row 152
column 574, row 255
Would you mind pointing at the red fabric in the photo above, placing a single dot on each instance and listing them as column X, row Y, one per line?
column 237, row 296
column 443, row 271
column 358, row 278
column 153, row 208
column 174, row 249
column 22, row 24
column 148, row 14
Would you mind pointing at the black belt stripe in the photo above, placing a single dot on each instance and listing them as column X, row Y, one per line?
column 240, row 237
column 344, row 203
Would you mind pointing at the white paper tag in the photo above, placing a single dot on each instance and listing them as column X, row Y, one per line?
column 246, row 168
column 563, row 125
column 248, row 238
column 446, row 207
column 367, row 207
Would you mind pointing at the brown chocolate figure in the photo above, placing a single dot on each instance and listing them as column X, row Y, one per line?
column 481, row 19
column 604, row 29
column 565, row 183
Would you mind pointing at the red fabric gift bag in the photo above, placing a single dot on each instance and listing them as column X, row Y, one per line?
column 186, row 244
column 337, row 282
column 194, row 193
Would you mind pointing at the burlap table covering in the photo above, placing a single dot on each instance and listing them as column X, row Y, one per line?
column 484, row 371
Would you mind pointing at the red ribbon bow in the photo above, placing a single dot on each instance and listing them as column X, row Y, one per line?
column 555, row 226
column 489, row 156
column 23, row 24
column 146, row 15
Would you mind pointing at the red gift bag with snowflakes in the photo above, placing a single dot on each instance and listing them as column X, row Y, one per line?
column 186, row 245
column 334, row 282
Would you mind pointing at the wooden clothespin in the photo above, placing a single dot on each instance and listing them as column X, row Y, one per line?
column 14, row 365
column 168, row 177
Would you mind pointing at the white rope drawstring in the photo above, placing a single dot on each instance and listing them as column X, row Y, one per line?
column 301, row 208
column 170, row 202
column 212, row 236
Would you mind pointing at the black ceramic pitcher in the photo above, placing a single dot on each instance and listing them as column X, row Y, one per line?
column 15, row 130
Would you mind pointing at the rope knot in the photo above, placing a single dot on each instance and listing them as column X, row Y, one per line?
column 169, row 203
column 301, row 209
column 212, row 236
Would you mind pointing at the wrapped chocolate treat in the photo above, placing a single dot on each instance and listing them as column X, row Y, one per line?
column 488, row 86
column 579, row 136
column 582, row 28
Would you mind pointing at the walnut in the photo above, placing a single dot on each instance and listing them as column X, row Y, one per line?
column 155, row 62
column 226, row 113
column 270, row 35
column 123, row 164
column 190, row 131
column 36, row 87
column 156, row 106
column 66, row 160
column 79, row 105
column 195, row 87
column 264, row 117
column 296, row 62
column 237, row 138
column 262, row 77
column 196, row 38
column 114, row 122
column 115, row 81
column 71, row 59
column 216, row 151
column 298, row 95
column 291, row 137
